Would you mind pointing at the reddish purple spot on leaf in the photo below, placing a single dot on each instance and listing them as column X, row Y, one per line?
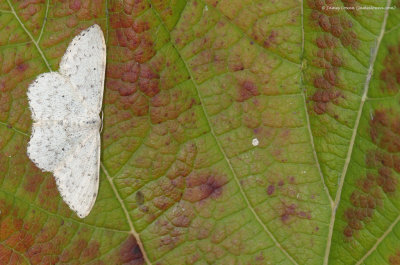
column 75, row 5
column 130, row 252
column 336, row 27
column 390, row 75
column 290, row 211
column 385, row 133
column 203, row 186
column 247, row 89
column 271, row 189
column 22, row 67
column 271, row 38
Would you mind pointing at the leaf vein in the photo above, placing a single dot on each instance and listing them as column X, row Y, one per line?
column 278, row 245
column 354, row 134
column 304, row 95
column 374, row 247
column 29, row 34
column 44, row 20
column 128, row 218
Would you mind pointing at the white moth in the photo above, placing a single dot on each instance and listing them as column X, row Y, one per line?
column 65, row 108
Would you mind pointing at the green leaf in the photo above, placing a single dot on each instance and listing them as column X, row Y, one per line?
column 235, row 132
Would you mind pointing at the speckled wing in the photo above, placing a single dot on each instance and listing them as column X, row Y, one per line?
column 84, row 64
column 52, row 141
column 52, row 97
column 77, row 177
column 65, row 108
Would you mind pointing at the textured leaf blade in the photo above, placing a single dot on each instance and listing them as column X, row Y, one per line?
column 368, row 214
column 182, row 166
column 338, row 49
column 36, row 226
column 190, row 85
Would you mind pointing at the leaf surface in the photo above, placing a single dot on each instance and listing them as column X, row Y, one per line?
column 235, row 132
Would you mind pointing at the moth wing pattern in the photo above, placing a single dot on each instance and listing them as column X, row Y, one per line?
column 77, row 177
column 84, row 64
column 52, row 97
column 51, row 142
column 65, row 108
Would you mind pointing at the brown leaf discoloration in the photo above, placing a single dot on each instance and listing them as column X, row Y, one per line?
column 372, row 188
column 390, row 75
column 203, row 186
column 289, row 212
column 336, row 31
column 130, row 252
column 394, row 259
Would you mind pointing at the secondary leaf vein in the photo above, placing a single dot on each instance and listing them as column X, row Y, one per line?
column 226, row 158
column 29, row 34
column 355, row 129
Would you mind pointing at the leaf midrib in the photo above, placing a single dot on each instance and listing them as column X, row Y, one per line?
column 127, row 216
column 354, row 134
column 36, row 43
column 348, row 156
